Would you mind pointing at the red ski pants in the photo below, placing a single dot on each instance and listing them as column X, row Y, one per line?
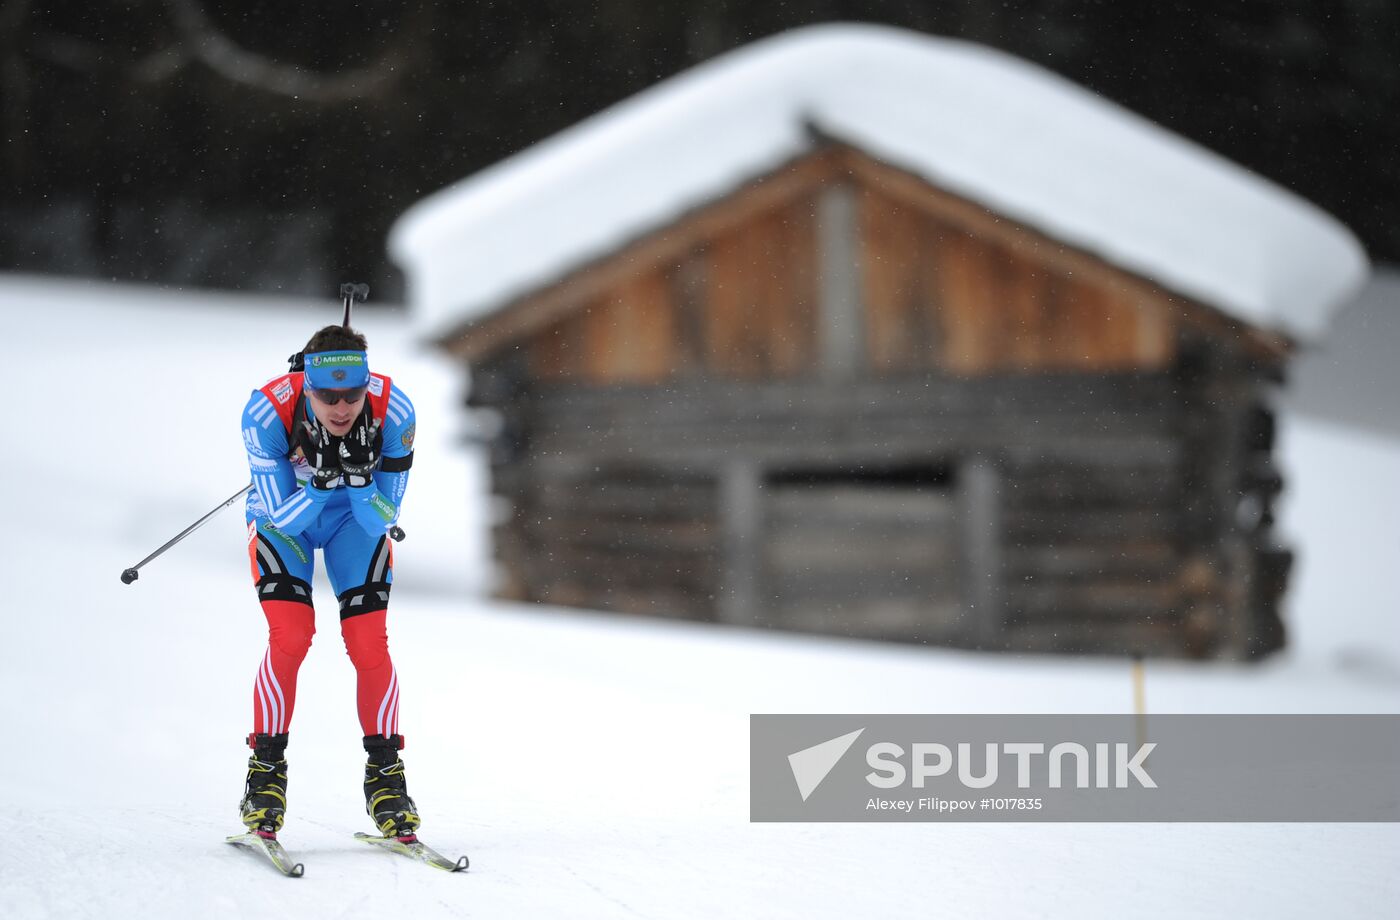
column 290, row 626
column 361, row 571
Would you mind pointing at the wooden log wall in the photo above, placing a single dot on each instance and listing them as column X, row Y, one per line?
column 1109, row 419
column 618, row 505
column 622, row 538
column 1094, row 555
column 1237, row 570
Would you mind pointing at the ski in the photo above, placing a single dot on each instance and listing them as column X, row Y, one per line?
column 414, row 848
column 267, row 845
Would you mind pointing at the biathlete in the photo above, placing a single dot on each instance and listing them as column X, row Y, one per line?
column 329, row 446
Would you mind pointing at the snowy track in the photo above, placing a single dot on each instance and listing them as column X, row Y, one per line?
column 590, row 765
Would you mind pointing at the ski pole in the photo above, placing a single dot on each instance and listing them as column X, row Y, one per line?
column 129, row 575
column 132, row 573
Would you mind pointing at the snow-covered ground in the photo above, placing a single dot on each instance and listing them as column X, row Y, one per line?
column 592, row 765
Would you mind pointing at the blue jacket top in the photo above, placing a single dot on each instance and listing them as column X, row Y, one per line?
column 281, row 493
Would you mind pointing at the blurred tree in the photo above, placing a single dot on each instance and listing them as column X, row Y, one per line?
column 270, row 145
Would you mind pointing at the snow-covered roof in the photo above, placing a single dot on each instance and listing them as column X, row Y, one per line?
column 983, row 124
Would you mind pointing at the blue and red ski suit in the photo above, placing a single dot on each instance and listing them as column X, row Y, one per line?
column 288, row 520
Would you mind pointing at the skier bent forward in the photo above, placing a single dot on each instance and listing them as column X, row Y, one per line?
column 329, row 448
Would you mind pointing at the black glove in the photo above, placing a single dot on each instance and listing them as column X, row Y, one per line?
column 318, row 447
column 359, row 453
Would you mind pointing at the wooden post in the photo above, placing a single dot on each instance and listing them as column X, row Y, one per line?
column 1139, row 699
column 841, row 331
column 980, row 493
column 741, row 529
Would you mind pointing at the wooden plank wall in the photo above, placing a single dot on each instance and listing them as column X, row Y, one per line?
column 938, row 296
column 863, row 558
column 742, row 304
column 1090, row 485
column 760, row 296
column 739, row 305
column 630, row 335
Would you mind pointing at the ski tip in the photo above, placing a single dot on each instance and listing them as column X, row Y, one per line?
column 296, row 871
column 462, row 863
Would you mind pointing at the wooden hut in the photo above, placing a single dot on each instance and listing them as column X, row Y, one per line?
column 852, row 384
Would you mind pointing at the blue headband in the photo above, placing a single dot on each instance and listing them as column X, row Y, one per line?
column 336, row 370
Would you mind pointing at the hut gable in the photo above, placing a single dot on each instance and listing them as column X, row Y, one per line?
column 747, row 287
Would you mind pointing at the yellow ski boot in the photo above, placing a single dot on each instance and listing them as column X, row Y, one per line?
column 264, row 805
column 386, row 788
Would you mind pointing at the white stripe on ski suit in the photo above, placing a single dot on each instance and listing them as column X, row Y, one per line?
column 391, row 694
column 261, row 697
column 281, row 700
column 295, row 505
column 272, row 691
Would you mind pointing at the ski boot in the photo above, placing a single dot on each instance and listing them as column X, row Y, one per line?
column 386, row 789
column 264, row 805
